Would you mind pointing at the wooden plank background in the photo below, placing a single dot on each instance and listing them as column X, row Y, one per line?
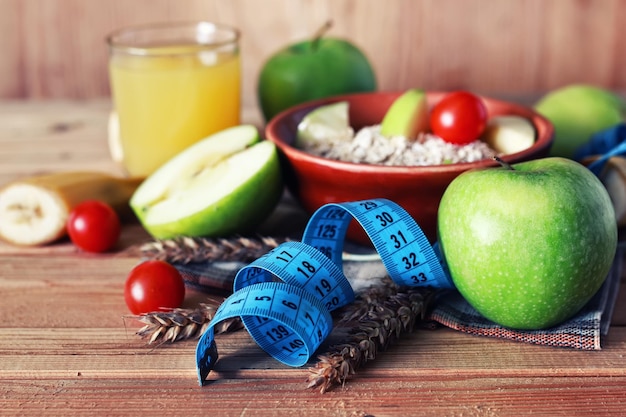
column 56, row 48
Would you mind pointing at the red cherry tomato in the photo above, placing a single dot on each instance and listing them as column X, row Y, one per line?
column 459, row 118
column 152, row 286
column 93, row 226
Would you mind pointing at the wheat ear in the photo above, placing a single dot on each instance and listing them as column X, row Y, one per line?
column 200, row 249
column 182, row 324
column 383, row 314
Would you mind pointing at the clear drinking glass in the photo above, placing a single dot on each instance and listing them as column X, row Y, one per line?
column 172, row 85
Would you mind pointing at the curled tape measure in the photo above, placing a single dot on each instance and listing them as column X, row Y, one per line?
column 285, row 297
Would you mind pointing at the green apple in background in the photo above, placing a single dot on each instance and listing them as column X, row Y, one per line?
column 225, row 184
column 407, row 116
column 528, row 245
column 577, row 112
column 312, row 69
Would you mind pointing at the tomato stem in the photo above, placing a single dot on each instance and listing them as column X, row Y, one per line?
column 320, row 33
column 505, row 165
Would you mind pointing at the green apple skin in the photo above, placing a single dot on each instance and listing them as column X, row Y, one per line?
column 234, row 193
column 310, row 70
column 577, row 112
column 528, row 247
column 407, row 116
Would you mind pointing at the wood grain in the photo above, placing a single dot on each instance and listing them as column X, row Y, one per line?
column 56, row 48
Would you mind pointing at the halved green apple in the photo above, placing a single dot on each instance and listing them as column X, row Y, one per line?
column 407, row 116
column 225, row 184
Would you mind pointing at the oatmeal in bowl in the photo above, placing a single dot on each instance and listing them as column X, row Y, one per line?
column 370, row 146
column 315, row 176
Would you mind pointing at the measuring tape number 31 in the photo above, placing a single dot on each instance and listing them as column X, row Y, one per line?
column 285, row 297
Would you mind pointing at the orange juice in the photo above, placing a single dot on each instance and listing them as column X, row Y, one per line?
column 168, row 97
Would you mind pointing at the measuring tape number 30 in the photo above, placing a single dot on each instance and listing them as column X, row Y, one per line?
column 285, row 297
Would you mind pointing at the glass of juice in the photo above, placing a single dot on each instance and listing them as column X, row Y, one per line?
column 172, row 85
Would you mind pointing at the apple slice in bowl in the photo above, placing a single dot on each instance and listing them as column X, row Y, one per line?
column 225, row 184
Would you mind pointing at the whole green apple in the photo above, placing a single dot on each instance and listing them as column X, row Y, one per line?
column 528, row 245
column 578, row 111
column 312, row 69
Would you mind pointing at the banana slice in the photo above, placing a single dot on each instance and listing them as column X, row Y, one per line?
column 613, row 176
column 34, row 210
column 509, row 134
column 614, row 179
column 114, row 142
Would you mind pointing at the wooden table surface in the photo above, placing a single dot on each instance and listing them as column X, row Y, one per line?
column 68, row 348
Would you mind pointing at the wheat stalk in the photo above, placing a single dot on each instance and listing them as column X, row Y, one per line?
column 187, row 249
column 182, row 324
column 382, row 315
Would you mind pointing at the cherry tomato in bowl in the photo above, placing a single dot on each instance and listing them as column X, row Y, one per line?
column 93, row 226
column 459, row 118
column 152, row 286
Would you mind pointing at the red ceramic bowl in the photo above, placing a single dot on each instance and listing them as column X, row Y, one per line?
column 315, row 181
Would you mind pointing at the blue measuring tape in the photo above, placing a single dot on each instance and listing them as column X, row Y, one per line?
column 285, row 297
